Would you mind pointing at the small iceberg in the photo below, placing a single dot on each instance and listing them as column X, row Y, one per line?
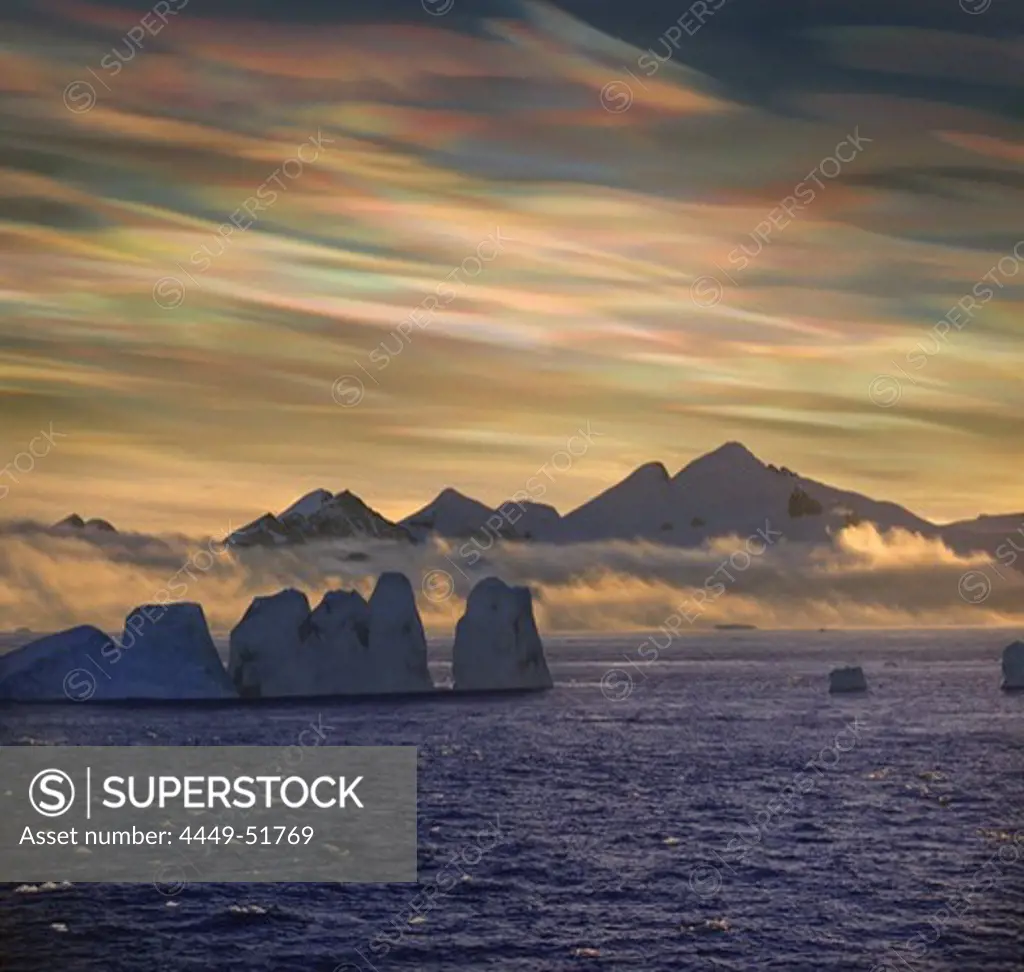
column 1013, row 667
column 849, row 679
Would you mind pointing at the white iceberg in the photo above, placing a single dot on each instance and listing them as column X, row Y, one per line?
column 849, row 679
column 398, row 643
column 166, row 652
column 68, row 664
column 1013, row 667
column 497, row 645
column 336, row 644
column 265, row 649
column 346, row 646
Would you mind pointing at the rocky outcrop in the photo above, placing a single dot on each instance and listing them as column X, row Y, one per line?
column 802, row 503
column 497, row 645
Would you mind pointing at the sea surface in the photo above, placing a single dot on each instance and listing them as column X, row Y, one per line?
column 710, row 808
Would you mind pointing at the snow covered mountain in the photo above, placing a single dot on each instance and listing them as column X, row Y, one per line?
column 1001, row 535
column 727, row 491
column 538, row 522
column 319, row 515
column 723, row 492
column 454, row 515
column 642, row 505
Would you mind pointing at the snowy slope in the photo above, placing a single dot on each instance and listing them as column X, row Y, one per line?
column 538, row 521
column 639, row 506
column 732, row 491
column 1002, row 536
column 723, row 492
column 309, row 504
column 452, row 514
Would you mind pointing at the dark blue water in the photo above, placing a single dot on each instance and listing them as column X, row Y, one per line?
column 641, row 833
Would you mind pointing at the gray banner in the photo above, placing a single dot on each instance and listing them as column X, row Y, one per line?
column 175, row 815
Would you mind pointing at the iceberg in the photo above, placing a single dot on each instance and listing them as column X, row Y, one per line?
column 1013, row 667
column 265, row 655
column 169, row 654
column 336, row 642
column 398, row 643
column 166, row 652
column 497, row 645
column 58, row 667
column 850, row 679
column 345, row 646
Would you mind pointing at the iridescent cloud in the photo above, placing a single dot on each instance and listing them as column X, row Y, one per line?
column 191, row 360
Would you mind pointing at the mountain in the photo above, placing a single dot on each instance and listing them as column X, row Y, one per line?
column 75, row 522
column 538, row 521
column 642, row 505
column 1001, row 535
column 319, row 515
column 727, row 491
column 454, row 515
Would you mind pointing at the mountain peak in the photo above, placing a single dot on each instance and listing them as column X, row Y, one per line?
column 308, row 504
column 732, row 450
column 654, row 472
column 451, row 494
column 72, row 521
column 728, row 457
column 75, row 522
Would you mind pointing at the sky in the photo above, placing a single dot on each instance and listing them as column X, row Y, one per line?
column 474, row 229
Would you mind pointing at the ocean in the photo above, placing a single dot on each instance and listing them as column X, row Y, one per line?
column 702, row 804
